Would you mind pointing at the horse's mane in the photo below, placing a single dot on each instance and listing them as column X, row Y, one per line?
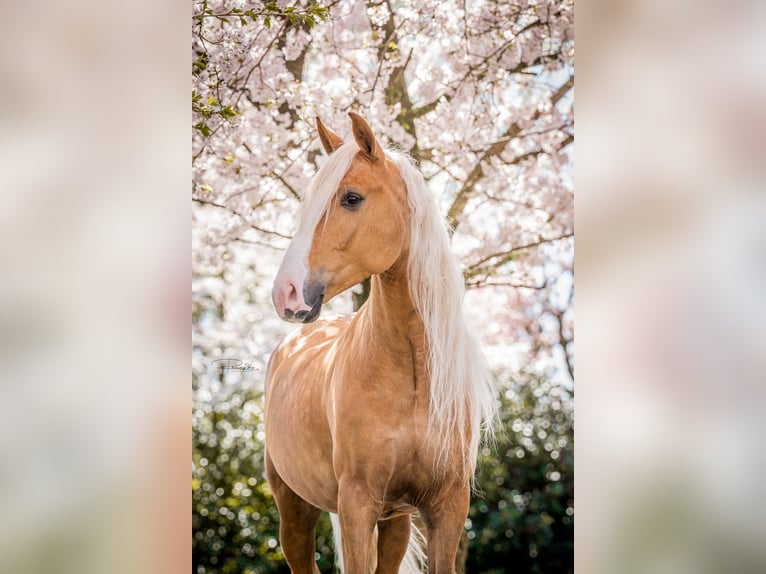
column 460, row 387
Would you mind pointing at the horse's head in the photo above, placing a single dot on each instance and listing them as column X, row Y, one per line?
column 353, row 225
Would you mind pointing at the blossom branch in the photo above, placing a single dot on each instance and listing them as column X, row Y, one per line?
column 477, row 173
column 241, row 216
column 503, row 257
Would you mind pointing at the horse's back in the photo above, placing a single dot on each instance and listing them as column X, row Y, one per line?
column 298, row 435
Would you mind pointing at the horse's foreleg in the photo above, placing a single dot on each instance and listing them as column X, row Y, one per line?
column 358, row 513
column 297, row 523
column 446, row 521
column 393, row 537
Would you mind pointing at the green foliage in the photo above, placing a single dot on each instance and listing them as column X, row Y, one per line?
column 521, row 521
column 208, row 110
column 263, row 14
column 235, row 523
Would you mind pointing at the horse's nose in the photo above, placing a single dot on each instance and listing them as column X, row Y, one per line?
column 287, row 297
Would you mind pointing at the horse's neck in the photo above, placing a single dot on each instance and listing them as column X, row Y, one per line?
column 392, row 319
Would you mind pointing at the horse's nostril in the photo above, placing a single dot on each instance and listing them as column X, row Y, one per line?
column 292, row 294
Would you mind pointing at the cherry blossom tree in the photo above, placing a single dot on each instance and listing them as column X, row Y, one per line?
column 480, row 93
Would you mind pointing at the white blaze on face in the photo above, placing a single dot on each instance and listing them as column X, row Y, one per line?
column 287, row 292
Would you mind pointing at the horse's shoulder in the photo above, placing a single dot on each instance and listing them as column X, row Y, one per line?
column 321, row 331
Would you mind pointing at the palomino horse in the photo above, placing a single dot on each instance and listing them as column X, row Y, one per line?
column 378, row 416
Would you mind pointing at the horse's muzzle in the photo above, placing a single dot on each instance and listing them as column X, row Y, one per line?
column 313, row 295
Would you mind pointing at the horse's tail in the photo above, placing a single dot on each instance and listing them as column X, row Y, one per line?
column 335, row 521
column 414, row 560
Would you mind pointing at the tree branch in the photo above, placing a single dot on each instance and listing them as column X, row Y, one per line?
column 487, row 283
column 477, row 173
column 504, row 257
column 396, row 91
column 534, row 153
column 564, row 341
column 289, row 187
column 238, row 214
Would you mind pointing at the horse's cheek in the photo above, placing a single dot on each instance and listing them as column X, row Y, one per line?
column 388, row 244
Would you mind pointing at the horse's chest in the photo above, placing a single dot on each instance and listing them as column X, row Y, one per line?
column 382, row 397
column 381, row 417
column 383, row 424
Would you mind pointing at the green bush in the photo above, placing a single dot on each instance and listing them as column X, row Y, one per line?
column 522, row 517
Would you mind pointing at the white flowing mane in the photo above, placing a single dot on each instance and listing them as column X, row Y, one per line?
column 460, row 387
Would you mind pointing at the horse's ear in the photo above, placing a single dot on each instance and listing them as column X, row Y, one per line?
column 330, row 141
column 364, row 137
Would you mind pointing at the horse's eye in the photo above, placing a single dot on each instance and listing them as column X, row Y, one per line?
column 351, row 200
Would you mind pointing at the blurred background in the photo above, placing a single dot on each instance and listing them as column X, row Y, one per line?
column 94, row 297
column 481, row 95
column 671, row 291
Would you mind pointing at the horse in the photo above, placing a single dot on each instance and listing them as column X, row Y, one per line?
column 376, row 417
